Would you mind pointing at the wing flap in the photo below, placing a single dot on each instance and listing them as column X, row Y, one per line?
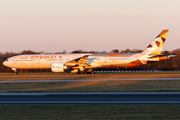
column 82, row 61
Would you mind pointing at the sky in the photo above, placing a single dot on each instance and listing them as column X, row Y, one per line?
column 90, row 25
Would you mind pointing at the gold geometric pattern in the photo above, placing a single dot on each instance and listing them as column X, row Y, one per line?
column 156, row 46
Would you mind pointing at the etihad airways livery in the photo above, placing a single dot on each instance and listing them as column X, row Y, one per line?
column 84, row 63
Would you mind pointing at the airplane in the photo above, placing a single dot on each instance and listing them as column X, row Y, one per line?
column 85, row 63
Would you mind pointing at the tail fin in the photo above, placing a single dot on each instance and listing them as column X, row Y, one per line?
column 156, row 46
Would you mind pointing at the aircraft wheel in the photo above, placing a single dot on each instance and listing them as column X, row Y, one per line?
column 93, row 72
column 16, row 73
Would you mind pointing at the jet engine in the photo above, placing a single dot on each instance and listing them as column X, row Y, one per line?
column 58, row 67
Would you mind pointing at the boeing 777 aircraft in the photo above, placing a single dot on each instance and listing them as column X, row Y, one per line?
column 85, row 63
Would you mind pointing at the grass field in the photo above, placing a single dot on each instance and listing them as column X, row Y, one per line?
column 69, row 76
column 92, row 86
column 90, row 112
column 96, row 86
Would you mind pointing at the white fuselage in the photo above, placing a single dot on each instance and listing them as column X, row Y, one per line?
column 44, row 61
column 86, row 62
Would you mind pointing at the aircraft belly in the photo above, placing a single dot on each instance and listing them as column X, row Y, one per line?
column 95, row 65
column 116, row 64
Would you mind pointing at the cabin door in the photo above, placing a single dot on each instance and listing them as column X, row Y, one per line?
column 15, row 61
column 105, row 59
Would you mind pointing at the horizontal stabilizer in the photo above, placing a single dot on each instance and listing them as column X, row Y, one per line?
column 160, row 57
column 172, row 55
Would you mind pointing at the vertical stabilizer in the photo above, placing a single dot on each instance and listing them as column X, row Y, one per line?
column 156, row 46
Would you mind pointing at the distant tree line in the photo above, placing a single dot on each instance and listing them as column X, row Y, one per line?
column 170, row 64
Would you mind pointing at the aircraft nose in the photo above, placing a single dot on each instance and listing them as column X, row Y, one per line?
column 4, row 63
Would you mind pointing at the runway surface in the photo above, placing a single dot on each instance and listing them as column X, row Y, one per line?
column 91, row 98
column 85, row 80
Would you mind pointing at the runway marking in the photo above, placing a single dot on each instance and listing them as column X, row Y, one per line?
column 88, row 80
column 91, row 98
column 90, row 102
column 127, row 71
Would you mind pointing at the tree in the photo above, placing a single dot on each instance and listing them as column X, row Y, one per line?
column 176, row 60
column 28, row 52
column 115, row 51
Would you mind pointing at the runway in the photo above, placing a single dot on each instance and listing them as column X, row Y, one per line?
column 85, row 80
column 91, row 98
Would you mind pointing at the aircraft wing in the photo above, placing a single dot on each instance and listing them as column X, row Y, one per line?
column 81, row 61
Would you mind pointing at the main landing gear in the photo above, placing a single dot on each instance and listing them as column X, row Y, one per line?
column 86, row 72
column 16, row 73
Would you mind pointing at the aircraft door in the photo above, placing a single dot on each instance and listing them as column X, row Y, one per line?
column 38, row 63
column 15, row 61
column 105, row 59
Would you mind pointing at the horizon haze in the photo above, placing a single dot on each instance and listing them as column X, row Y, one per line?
column 95, row 25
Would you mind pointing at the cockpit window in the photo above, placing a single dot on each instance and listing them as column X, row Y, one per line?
column 6, row 59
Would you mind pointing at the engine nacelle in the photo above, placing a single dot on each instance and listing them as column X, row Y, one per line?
column 58, row 67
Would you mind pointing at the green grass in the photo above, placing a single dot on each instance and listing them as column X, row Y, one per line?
column 90, row 112
column 94, row 86
column 67, row 76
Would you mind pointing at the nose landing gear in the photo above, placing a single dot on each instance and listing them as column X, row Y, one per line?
column 15, row 71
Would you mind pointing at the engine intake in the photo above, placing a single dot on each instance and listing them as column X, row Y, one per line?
column 58, row 67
